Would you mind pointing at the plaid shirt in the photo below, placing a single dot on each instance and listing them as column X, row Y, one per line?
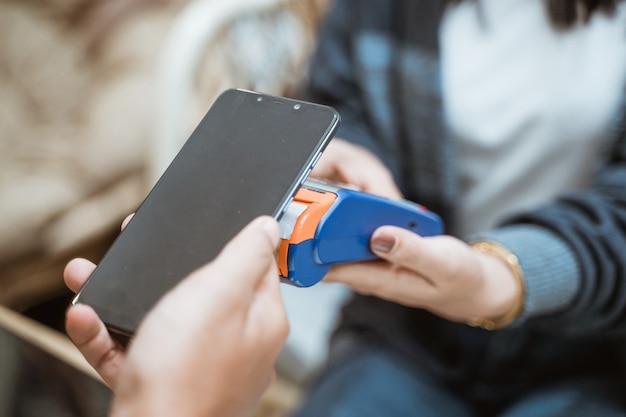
column 378, row 64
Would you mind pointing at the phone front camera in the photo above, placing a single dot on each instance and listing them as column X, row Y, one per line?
column 296, row 106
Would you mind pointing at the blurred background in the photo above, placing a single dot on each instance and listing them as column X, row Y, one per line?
column 96, row 98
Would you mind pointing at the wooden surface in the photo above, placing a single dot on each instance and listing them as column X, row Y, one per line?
column 53, row 342
column 278, row 401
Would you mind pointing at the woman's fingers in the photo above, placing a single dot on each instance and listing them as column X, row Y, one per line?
column 345, row 162
column 430, row 257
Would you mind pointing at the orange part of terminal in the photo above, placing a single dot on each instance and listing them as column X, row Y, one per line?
column 318, row 204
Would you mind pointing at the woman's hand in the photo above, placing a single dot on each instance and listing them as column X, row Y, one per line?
column 344, row 162
column 209, row 345
column 440, row 274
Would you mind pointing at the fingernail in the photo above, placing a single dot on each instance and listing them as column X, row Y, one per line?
column 271, row 227
column 383, row 243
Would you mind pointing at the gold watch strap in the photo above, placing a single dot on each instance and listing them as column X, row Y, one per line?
column 513, row 264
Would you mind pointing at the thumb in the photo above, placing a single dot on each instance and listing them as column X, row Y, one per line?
column 250, row 251
column 382, row 242
column 401, row 247
column 428, row 256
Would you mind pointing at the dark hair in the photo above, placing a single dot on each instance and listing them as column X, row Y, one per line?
column 565, row 14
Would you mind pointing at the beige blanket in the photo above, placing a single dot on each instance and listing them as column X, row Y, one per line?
column 77, row 97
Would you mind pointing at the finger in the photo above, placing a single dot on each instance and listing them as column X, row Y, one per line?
column 384, row 280
column 374, row 181
column 127, row 220
column 324, row 170
column 266, row 317
column 374, row 277
column 329, row 166
column 92, row 339
column 247, row 256
column 76, row 273
column 361, row 276
column 429, row 257
column 267, row 310
column 353, row 164
column 266, row 313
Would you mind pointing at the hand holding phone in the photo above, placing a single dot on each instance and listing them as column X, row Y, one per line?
column 246, row 158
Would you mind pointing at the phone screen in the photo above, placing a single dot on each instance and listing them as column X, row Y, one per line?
column 246, row 158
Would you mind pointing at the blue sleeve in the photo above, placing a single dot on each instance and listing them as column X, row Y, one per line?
column 333, row 72
column 573, row 254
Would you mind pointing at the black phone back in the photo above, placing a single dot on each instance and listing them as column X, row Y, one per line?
column 246, row 158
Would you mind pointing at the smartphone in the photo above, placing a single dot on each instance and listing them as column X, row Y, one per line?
column 247, row 157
